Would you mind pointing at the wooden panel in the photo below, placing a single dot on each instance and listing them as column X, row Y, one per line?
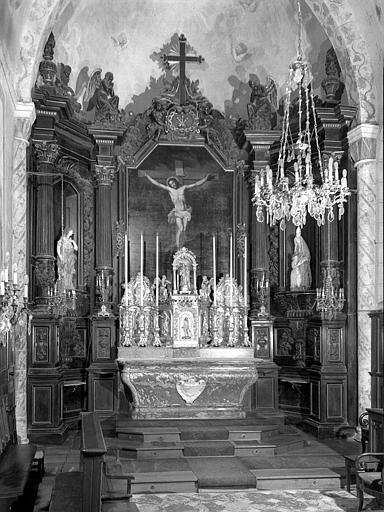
column 42, row 405
column 315, row 399
column 335, row 398
column 103, row 394
column 40, row 344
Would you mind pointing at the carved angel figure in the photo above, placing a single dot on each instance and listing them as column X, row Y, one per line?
column 262, row 106
column 100, row 95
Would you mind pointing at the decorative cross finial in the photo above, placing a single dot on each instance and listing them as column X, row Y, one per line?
column 182, row 59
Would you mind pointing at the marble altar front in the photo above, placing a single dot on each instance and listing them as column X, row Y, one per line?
column 185, row 353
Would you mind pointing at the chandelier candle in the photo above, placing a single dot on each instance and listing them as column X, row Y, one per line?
column 230, row 270
column 141, row 269
column 126, row 268
column 157, row 270
column 245, row 271
column 214, row 268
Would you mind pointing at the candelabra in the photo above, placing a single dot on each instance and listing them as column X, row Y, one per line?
column 329, row 300
column 262, row 293
column 103, row 286
column 12, row 302
column 291, row 198
column 61, row 301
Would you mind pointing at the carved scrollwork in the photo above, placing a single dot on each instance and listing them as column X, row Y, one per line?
column 45, row 273
column 105, row 175
column 46, row 152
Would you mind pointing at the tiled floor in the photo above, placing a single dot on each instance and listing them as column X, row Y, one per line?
column 66, row 458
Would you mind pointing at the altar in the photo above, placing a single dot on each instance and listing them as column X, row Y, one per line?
column 185, row 352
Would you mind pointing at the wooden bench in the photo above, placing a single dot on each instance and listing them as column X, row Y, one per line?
column 15, row 463
column 82, row 491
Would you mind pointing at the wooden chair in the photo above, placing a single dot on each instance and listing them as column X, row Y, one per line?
column 369, row 476
column 350, row 460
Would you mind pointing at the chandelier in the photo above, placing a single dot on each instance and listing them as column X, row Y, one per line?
column 13, row 300
column 291, row 195
column 329, row 299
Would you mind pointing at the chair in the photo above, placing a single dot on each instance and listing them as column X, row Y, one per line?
column 369, row 476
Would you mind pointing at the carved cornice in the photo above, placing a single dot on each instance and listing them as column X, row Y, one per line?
column 362, row 143
column 46, row 151
column 105, row 174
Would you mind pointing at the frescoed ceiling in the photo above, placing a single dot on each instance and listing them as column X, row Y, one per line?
column 237, row 38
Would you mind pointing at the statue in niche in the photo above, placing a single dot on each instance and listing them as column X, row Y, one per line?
column 186, row 329
column 301, row 277
column 181, row 214
column 66, row 260
column 262, row 105
column 100, row 95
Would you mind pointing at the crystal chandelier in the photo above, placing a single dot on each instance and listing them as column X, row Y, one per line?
column 291, row 196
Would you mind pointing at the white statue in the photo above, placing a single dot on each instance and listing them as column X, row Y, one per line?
column 66, row 260
column 205, row 289
column 181, row 213
column 301, row 277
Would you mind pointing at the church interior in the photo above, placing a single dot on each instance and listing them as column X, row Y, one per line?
column 191, row 255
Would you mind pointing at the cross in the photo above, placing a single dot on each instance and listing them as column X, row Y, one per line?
column 182, row 59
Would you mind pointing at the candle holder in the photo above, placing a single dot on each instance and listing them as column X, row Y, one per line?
column 329, row 298
column 246, row 340
column 11, row 305
column 103, row 289
column 61, row 302
column 156, row 340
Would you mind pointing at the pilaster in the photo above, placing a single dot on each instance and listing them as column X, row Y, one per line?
column 363, row 141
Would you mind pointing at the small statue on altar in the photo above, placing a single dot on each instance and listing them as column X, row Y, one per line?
column 185, row 278
column 205, row 290
column 163, row 289
column 186, row 329
column 164, row 324
column 301, row 277
column 102, row 96
column 66, row 260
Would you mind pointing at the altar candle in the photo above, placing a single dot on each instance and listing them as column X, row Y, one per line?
column 2, row 285
column 141, row 269
column 157, row 270
column 26, row 281
column 214, row 269
column 126, row 268
column 245, row 271
column 15, row 274
column 6, row 267
column 230, row 270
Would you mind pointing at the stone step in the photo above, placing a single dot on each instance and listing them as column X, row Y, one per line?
column 157, row 482
column 211, row 448
column 239, row 433
column 149, row 434
column 252, row 447
column 296, row 478
column 137, row 450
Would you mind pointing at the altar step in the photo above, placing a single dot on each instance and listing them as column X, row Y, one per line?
column 297, row 478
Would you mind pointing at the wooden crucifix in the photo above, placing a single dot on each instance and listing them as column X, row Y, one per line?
column 182, row 59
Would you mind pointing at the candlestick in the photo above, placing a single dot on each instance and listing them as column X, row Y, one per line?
column 245, row 271
column 157, row 270
column 6, row 267
column 214, row 268
column 126, row 268
column 141, row 269
column 230, row 270
column 14, row 268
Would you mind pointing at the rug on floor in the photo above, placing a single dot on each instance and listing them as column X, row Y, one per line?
column 255, row 501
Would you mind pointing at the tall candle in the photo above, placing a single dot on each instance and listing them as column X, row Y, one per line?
column 245, row 271
column 214, row 268
column 230, row 270
column 126, row 268
column 14, row 273
column 157, row 270
column 141, row 269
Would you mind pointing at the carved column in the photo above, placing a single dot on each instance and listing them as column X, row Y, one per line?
column 362, row 140
column 261, row 143
column 25, row 116
column 102, row 372
column 46, row 153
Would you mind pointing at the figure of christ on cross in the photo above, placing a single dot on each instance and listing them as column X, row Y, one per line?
column 181, row 213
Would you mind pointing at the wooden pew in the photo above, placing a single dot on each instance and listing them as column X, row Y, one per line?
column 15, row 463
column 81, row 491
